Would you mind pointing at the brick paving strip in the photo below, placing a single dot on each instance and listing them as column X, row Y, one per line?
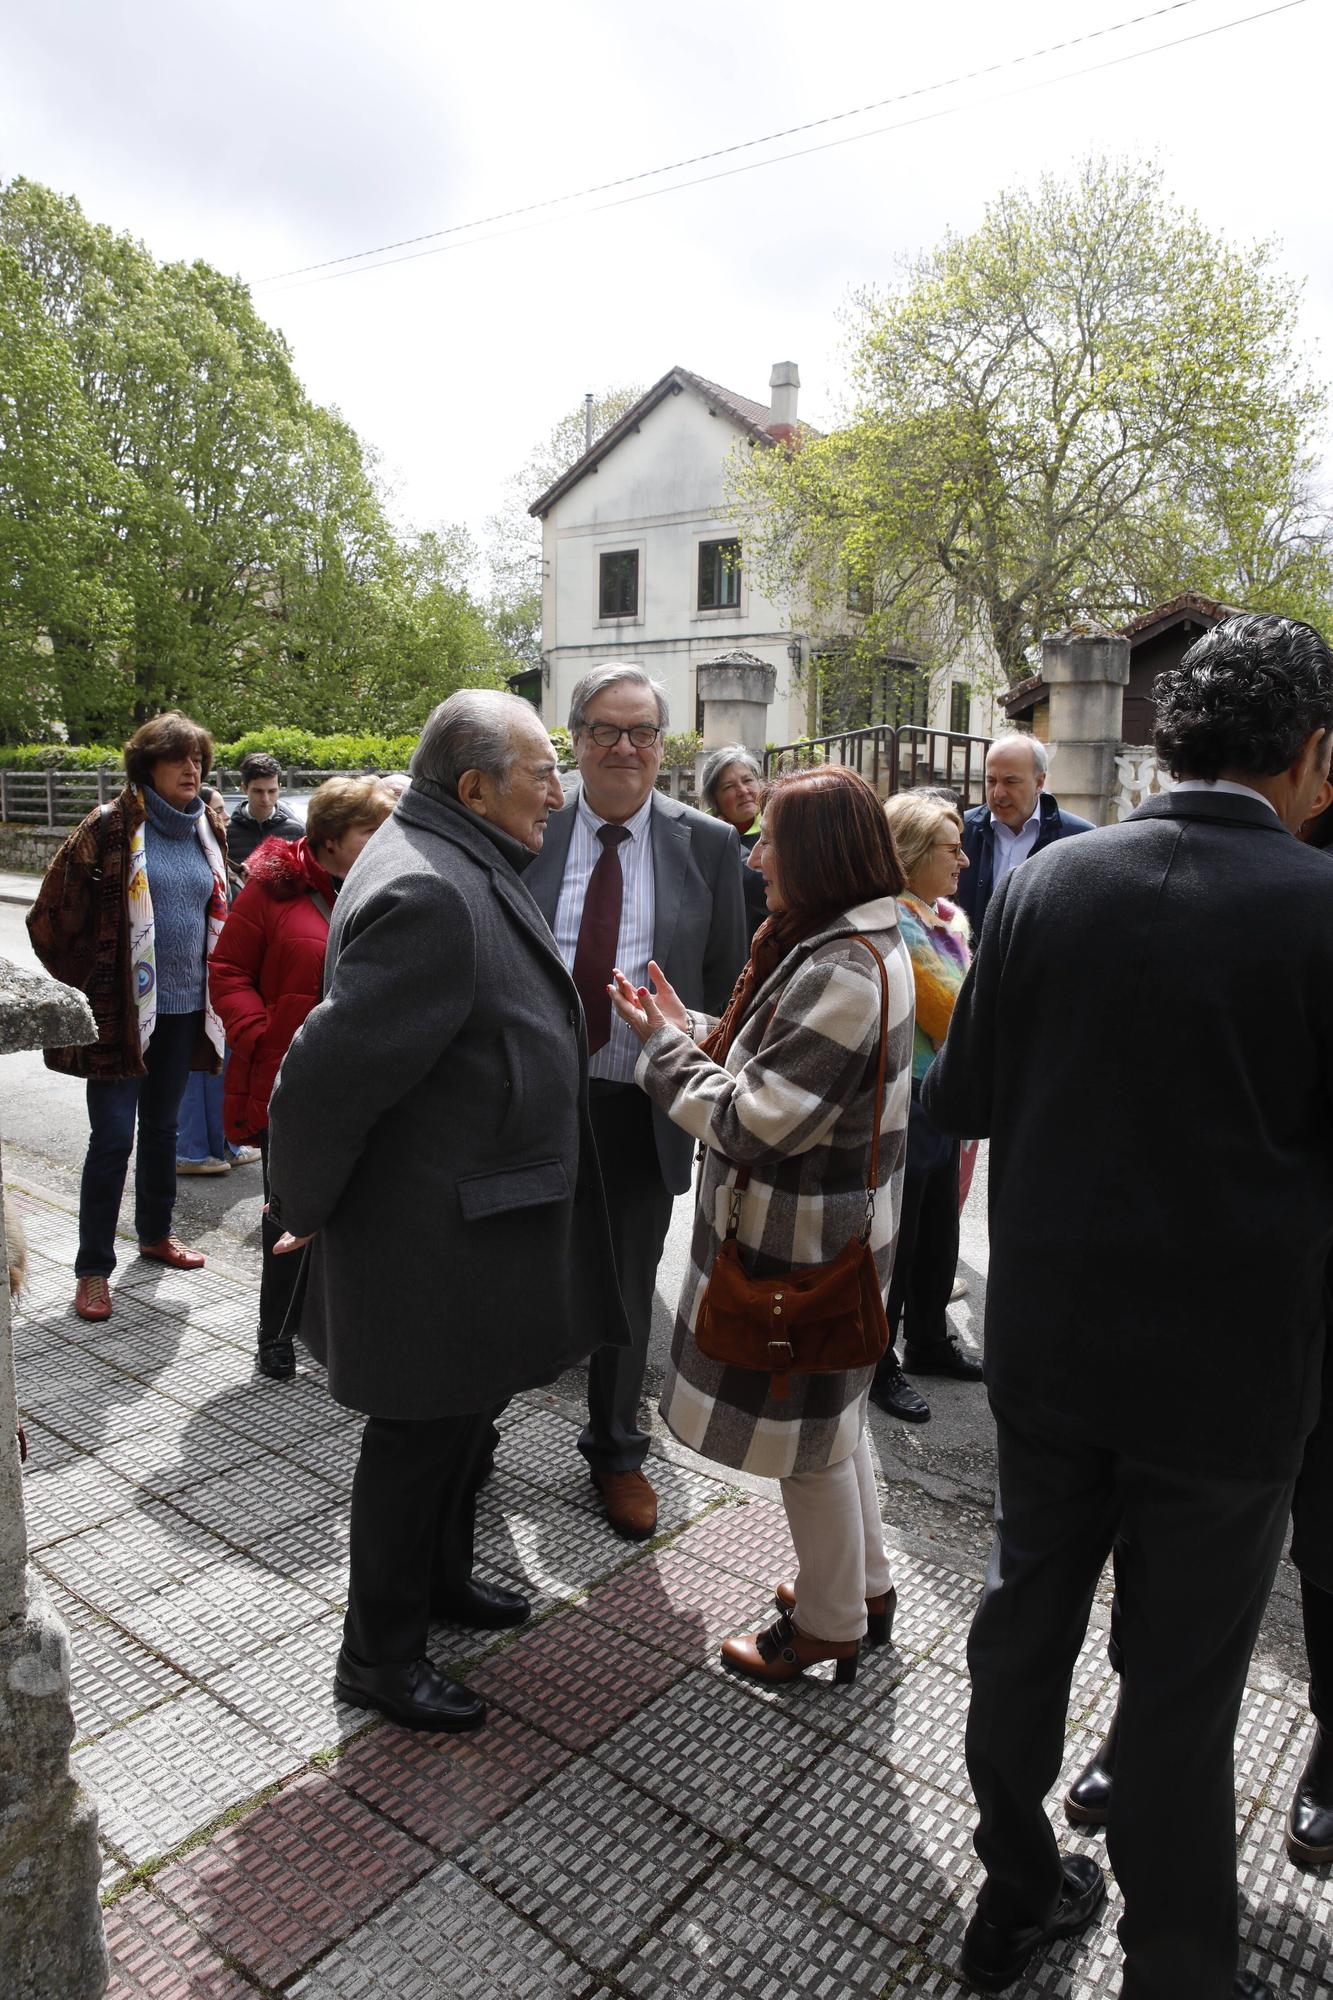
column 630, row 1820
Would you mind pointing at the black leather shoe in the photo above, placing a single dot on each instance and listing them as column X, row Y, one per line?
column 1310, row 1820
column 1248, row 1986
column 276, row 1358
column 995, row 1954
column 484, row 1605
column 891, row 1391
column 1088, row 1800
column 415, row 1694
column 946, row 1359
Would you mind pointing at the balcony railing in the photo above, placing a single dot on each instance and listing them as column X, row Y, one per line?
column 906, row 759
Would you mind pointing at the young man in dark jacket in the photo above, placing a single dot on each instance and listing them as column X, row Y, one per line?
column 1020, row 818
column 1153, row 1010
column 263, row 816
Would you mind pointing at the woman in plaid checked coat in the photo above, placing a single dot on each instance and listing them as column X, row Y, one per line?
column 785, row 1084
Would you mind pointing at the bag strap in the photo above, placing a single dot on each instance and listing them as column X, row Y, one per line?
column 320, row 902
column 742, row 1180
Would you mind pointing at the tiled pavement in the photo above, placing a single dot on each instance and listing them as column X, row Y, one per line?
column 630, row 1821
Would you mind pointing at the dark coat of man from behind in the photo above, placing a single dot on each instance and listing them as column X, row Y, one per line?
column 430, row 1123
column 1147, row 1037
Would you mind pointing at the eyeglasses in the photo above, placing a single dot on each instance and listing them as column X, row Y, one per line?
column 950, row 847
column 606, row 736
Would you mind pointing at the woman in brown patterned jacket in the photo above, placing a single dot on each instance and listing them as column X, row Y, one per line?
column 784, row 1084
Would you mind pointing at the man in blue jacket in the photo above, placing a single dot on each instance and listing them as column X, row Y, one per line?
column 1019, row 818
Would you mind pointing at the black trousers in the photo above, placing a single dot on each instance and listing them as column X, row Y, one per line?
column 277, row 1275
column 1196, row 1559
column 413, row 1518
column 925, row 1262
column 639, row 1205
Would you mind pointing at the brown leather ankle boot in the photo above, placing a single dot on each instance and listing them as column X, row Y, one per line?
column 879, row 1612
column 783, row 1654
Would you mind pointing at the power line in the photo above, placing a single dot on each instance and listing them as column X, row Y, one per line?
column 338, row 267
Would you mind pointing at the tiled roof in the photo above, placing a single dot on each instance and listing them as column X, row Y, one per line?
column 1189, row 601
column 751, row 417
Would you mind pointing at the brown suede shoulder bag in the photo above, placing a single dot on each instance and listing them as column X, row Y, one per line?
column 824, row 1320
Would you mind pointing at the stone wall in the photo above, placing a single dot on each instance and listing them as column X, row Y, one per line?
column 27, row 850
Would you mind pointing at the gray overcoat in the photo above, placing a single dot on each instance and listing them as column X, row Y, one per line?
column 430, row 1123
column 794, row 1102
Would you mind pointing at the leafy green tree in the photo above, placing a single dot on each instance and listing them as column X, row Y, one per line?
column 1086, row 406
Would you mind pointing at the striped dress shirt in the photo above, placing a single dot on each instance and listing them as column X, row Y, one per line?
column 614, row 1062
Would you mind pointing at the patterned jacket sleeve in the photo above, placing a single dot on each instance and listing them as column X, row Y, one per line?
column 790, row 1094
column 60, row 922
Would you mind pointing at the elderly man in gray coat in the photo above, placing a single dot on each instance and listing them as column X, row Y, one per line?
column 430, row 1139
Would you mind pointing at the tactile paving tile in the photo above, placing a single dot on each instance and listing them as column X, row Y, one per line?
column 1264, row 1734
column 294, row 1877
column 748, row 1930
column 680, row 1606
column 45, row 1449
column 92, row 1425
column 542, row 1449
column 197, row 1380
column 72, row 1380
column 168, row 1773
column 751, row 1540
column 332, row 1454
column 1086, row 1967
column 921, row 1731
column 168, row 1462
column 155, row 1955
column 134, row 1557
column 146, row 1343
column 1291, row 1985
column 253, row 1508
column 574, row 1678
column 287, row 1688
column 706, row 1750
column 449, row 1646
column 1286, row 1911
column 113, row 1871
column 525, row 1533
column 312, row 1552
column 891, row 1850
column 113, row 1678
column 67, row 1498
column 257, row 1413
column 221, row 1615
column 590, row 1862
column 447, row 1789
column 447, row 1936
column 934, row 1612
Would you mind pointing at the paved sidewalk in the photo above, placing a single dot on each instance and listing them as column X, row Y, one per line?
column 629, row 1821
column 20, row 889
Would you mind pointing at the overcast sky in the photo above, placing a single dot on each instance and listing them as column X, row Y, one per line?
column 264, row 135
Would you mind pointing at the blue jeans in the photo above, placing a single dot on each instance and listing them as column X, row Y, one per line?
column 199, row 1134
column 112, row 1108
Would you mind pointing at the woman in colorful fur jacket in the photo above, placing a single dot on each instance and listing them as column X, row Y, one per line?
column 266, row 975
column 928, row 834
column 129, row 912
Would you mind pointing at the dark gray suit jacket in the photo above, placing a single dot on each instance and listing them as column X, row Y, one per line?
column 700, row 936
column 1146, row 1036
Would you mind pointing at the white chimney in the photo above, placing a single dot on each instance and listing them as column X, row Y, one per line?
column 783, row 384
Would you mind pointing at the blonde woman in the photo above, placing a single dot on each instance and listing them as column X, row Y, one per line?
column 928, row 834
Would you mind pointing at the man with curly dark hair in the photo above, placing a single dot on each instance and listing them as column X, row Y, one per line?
column 1152, row 1007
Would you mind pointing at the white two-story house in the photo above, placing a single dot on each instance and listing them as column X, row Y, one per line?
column 641, row 562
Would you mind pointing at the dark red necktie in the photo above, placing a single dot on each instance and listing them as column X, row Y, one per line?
column 599, row 933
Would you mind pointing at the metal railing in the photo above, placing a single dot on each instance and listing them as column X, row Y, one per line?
column 895, row 760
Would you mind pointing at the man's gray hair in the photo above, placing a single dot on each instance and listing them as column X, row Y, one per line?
column 610, row 674
column 473, row 730
column 1041, row 762
column 716, row 762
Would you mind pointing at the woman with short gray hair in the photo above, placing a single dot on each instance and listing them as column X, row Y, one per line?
column 730, row 785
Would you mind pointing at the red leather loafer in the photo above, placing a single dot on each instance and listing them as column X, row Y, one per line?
column 169, row 1251
column 92, row 1298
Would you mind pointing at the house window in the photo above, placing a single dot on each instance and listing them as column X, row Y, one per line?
column 618, row 584
column 856, row 693
column 960, row 708
column 860, row 595
column 719, row 575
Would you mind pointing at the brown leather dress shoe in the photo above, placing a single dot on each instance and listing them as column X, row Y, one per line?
column 879, row 1612
column 783, row 1654
column 169, row 1251
column 92, row 1298
column 631, row 1504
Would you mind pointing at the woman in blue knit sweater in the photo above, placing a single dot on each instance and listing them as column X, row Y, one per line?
column 129, row 912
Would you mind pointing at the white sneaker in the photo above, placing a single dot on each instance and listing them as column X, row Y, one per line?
column 959, row 1290
column 203, row 1166
column 245, row 1156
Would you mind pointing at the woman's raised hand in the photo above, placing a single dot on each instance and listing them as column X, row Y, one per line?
column 644, row 1012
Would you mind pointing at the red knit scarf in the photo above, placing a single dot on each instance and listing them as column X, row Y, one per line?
column 775, row 937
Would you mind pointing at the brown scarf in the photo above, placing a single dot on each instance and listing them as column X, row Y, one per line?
column 775, row 937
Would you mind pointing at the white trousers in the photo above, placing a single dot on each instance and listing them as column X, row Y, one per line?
column 834, row 1519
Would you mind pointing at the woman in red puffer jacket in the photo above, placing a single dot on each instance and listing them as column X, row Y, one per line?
column 265, row 975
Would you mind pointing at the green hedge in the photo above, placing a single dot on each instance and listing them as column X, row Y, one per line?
column 295, row 750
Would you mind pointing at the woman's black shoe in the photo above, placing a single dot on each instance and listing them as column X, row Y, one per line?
column 484, row 1605
column 891, row 1391
column 415, row 1694
column 276, row 1358
column 1310, row 1820
column 994, row 1955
